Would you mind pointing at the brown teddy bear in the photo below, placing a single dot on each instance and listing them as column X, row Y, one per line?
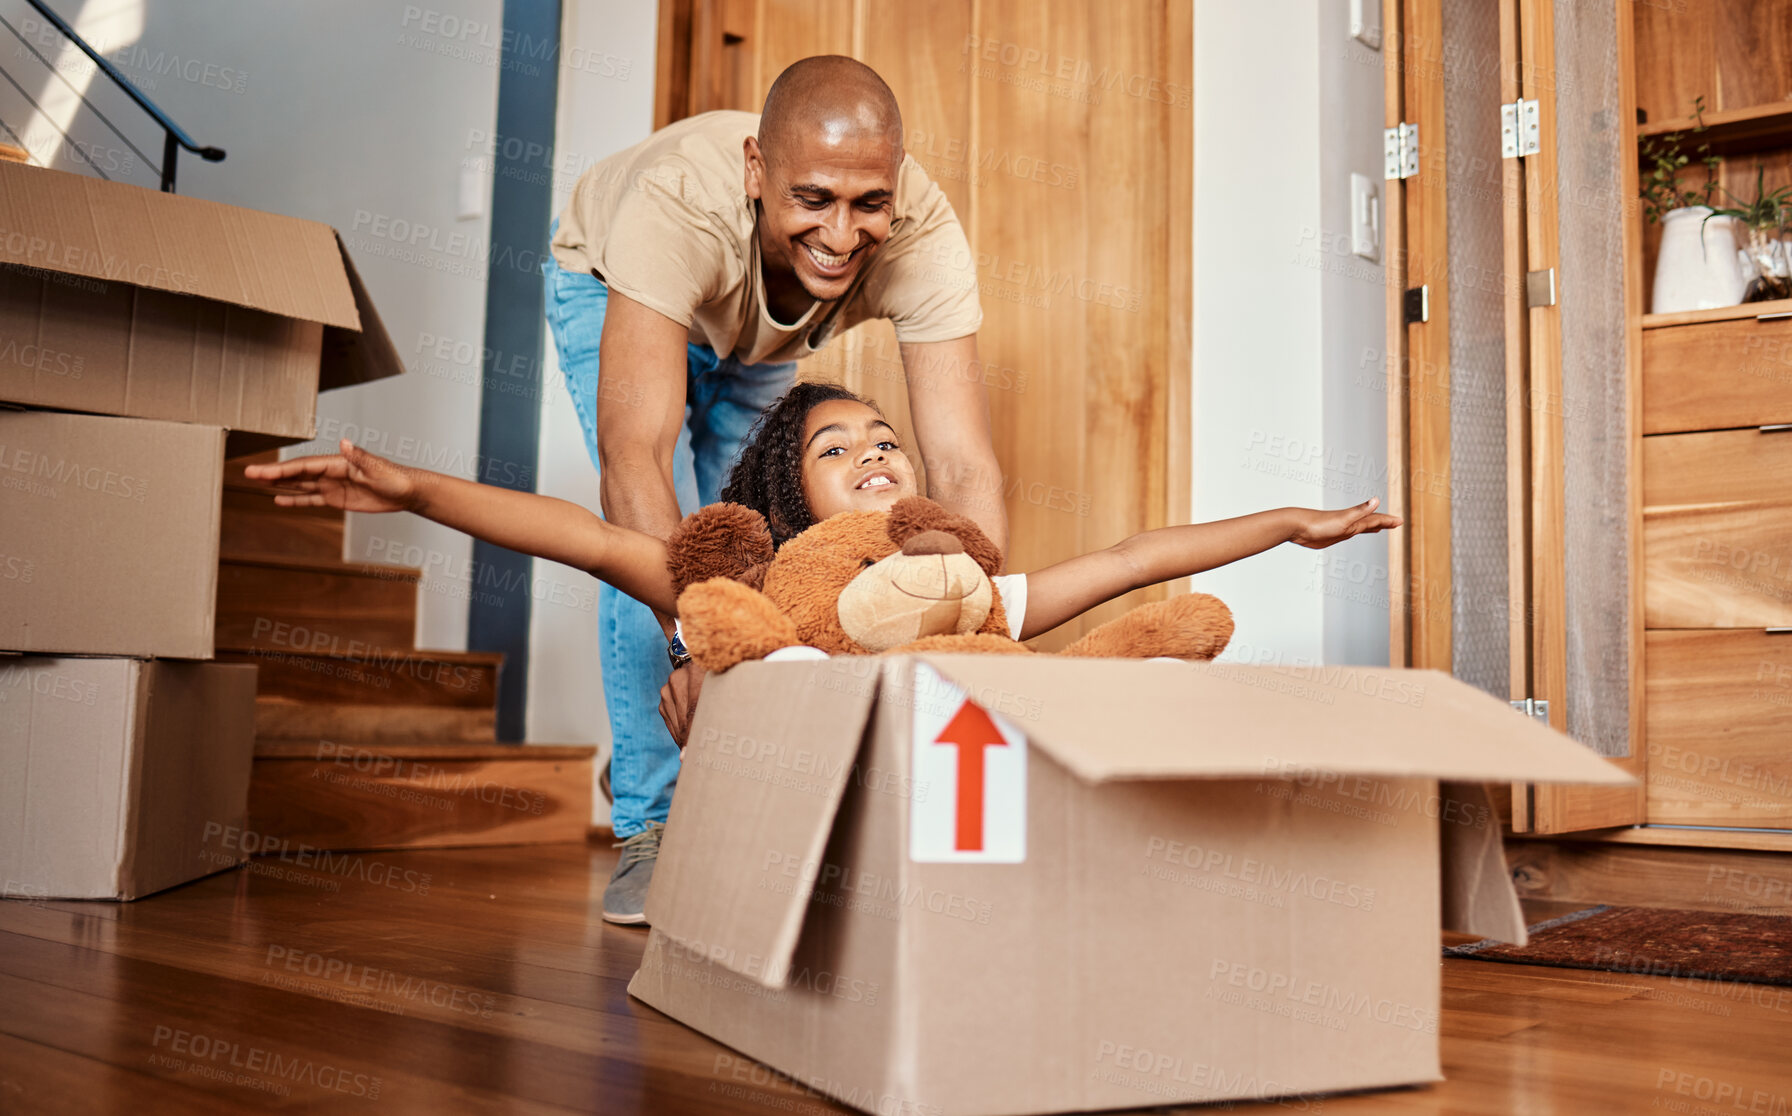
column 916, row 578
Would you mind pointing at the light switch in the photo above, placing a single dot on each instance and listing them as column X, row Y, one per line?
column 1365, row 22
column 1365, row 217
column 472, row 192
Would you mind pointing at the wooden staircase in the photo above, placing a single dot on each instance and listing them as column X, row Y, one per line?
column 364, row 741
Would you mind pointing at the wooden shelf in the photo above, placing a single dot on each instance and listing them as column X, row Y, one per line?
column 1731, row 132
column 1720, row 314
column 1755, row 840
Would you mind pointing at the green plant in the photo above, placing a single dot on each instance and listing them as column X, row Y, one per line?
column 1762, row 217
column 1765, row 212
column 1661, row 191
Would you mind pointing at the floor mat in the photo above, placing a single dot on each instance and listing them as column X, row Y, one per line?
column 1711, row 945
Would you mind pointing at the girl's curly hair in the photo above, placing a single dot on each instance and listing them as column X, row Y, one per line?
column 769, row 475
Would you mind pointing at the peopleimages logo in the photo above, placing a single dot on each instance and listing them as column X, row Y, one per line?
column 30, row 466
column 217, row 1058
column 1249, row 870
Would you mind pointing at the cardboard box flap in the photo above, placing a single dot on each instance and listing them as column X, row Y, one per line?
column 352, row 356
column 1123, row 719
column 1478, row 896
column 114, row 232
column 767, row 762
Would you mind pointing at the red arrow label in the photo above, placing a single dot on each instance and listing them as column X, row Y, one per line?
column 971, row 731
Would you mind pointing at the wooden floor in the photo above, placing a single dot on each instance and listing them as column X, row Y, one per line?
column 483, row 981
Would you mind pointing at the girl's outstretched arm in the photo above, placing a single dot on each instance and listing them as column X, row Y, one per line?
column 557, row 530
column 1068, row 589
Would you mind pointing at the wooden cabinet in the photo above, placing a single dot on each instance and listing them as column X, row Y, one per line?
column 1716, row 394
column 1716, row 391
column 1717, row 567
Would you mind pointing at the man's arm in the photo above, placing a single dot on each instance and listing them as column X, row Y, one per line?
column 950, row 406
column 640, row 409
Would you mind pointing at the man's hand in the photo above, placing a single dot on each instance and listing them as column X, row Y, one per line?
column 678, row 701
column 353, row 480
column 1320, row 529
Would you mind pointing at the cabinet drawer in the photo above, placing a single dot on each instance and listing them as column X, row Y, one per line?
column 1721, row 467
column 1717, row 529
column 1717, row 566
column 1718, row 710
column 1714, row 375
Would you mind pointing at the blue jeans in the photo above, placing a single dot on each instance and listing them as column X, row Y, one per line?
column 722, row 399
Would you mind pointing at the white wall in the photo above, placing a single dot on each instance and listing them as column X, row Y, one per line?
column 376, row 118
column 606, row 104
column 1353, row 324
column 1285, row 108
column 358, row 115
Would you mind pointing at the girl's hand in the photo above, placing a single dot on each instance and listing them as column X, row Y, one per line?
column 1320, row 529
column 353, row 480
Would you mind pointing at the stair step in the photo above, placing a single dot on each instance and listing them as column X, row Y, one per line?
column 255, row 527
column 311, row 721
column 377, row 676
column 11, row 154
column 352, row 796
column 293, row 605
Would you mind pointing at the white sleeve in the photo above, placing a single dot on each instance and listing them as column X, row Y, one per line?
column 1013, row 588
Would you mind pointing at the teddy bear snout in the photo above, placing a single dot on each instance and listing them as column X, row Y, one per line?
column 933, row 542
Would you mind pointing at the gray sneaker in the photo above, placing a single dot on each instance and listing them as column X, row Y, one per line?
column 625, row 900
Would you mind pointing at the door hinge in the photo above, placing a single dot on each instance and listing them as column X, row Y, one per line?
column 1418, row 304
column 1520, row 129
column 1400, row 151
column 1534, row 708
column 1540, row 287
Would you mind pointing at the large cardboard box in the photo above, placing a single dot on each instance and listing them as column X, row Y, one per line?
column 110, row 543
column 126, row 301
column 114, row 772
column 1012, row 884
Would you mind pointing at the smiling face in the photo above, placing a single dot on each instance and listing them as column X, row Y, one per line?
column 852, row 460
column 826, row 198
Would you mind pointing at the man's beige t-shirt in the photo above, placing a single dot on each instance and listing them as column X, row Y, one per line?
column 669, row 224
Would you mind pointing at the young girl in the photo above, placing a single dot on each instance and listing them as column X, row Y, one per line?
column 818, row 451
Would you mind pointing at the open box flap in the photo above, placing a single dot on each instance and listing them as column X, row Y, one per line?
column 765, row 767
column 114, row 232
column 1478, row 897
column 357, row 356
column 1125, row 719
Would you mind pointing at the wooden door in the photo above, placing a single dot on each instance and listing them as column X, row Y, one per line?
column 1063, row 134
column 1509, row 464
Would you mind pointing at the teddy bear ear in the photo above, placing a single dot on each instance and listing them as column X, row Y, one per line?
column 912, row 515
column 721, row 540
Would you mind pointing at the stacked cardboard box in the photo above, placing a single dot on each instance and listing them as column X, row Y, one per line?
column 143, row 338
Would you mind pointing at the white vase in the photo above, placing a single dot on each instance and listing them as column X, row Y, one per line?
column 1697, row 268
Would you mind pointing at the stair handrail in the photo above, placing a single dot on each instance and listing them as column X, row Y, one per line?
column 173, row 136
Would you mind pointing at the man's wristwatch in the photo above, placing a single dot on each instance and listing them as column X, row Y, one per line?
column 676, row 650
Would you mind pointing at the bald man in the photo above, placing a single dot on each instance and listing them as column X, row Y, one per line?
column 689, row 273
